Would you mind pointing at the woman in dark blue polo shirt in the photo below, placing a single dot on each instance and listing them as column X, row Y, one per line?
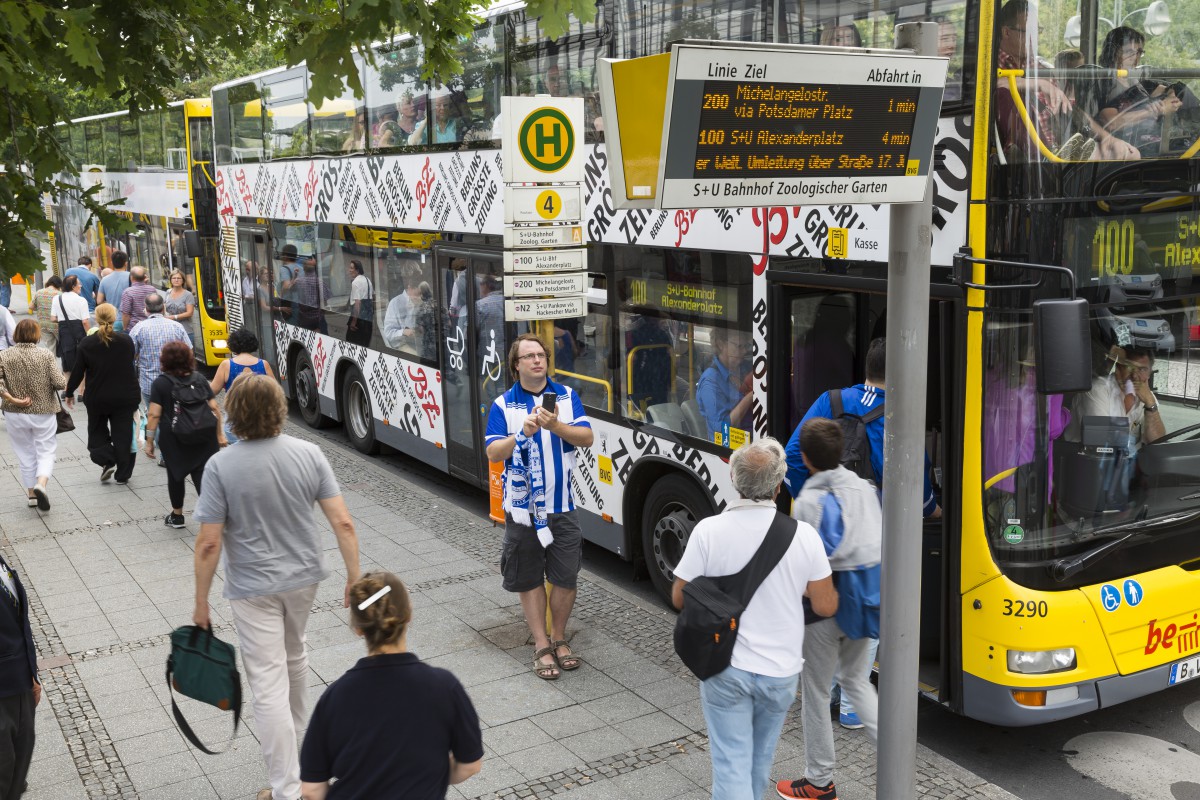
column 391, row 727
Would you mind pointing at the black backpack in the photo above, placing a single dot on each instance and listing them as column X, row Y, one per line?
column 707, row 627
column 856, row 447
column 192, row 421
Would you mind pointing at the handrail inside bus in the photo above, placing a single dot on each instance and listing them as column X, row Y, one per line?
column 629, row 366
column 1011, row 75
column 992, row 481
column 607, row 386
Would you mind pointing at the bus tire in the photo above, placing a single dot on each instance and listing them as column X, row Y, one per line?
column 357, row 419
column 674, row 505
column 304, row 389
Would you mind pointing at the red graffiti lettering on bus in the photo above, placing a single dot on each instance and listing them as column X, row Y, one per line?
column 421, row 385
column 320, row 357
column 424, row 188
column 224, row 202
column 310, row 189
column 762, row 218
column 244, row 187
column 683, row 223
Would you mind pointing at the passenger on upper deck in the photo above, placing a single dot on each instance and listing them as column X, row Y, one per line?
column 448, row 124
column 357, row 140
column 1133, row 109
column 1062, row 127
column 398, row 124
column 842, row 36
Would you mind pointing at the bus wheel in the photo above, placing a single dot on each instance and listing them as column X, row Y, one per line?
column 673, row 507
column 357, row 418
column 304, row 388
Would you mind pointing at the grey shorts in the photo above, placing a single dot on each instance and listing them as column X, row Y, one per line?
column 526, row 565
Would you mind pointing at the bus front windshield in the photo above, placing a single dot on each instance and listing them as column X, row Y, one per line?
column 1064, row 473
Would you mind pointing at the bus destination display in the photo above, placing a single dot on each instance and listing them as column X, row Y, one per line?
column 741, row 130
column 750, row 130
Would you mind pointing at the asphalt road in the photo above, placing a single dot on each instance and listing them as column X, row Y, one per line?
column 1147, row 749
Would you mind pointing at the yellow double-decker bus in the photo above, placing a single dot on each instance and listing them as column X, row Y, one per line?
column 160, row 165
column 1061, row 576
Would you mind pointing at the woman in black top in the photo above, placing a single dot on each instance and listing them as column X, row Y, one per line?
column 391, row 726
column 106, row 360
column 182, row 458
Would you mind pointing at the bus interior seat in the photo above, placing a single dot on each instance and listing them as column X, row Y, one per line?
column 692, row 419
column 667, row 415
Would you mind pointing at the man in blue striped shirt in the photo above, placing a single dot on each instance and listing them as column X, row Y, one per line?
column 542, row 538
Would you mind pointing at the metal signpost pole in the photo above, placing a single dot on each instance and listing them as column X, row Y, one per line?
column 910, row 240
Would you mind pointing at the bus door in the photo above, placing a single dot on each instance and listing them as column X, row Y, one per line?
column 818, row 340
column 257, row 291
column 472, row 353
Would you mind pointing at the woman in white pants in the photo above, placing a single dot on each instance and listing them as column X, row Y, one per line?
column 29, row 380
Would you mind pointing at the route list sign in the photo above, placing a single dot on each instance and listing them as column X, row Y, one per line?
column 753, row 125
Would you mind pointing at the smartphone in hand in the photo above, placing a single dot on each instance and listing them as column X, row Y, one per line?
column 549, row 402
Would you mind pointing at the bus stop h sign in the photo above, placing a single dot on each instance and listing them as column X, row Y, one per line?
column 543, row 138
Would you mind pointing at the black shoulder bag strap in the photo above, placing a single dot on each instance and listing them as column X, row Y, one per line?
column 775, row 544
column 835, row 403
column 872, row 415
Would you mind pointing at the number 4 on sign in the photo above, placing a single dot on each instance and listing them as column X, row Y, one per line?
column 549, row 204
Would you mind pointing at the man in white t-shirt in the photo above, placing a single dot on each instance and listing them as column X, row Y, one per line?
column 745, row 705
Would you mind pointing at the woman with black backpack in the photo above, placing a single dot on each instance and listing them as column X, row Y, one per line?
column 182, row 402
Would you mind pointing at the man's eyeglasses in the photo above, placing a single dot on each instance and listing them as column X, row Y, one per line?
column 1133, row 366
column 532, row 357
column 1130, row 51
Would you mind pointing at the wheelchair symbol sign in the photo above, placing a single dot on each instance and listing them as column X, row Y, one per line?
column 1110, row 597
column 1133, row 592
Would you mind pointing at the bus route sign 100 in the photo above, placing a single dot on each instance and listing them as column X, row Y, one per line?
column 740, row 130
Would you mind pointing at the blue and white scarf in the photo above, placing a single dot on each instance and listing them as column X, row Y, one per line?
column 527, row 486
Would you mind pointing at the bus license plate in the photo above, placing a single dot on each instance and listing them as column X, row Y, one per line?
column 1184, row 670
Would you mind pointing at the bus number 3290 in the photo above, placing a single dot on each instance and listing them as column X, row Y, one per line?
column 1026, row 608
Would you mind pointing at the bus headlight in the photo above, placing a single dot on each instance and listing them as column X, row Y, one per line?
column 220, row 344
column 1037, row 662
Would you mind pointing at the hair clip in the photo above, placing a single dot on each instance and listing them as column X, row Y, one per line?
column 363, row 605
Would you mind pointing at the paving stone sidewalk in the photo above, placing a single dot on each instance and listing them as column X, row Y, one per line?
column 108, row 581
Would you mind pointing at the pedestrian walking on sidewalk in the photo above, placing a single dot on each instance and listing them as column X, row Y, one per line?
column 534, row 429
column 29, row 383
column 178, row 387
column 243, row 344
column 745, row 704
column 106, row 361
column 20, row 691
column 151, row 336
column 43, row 307
column 71, row 313
column 257, row 503
column 133, row 300
column 385, row 728
column 844, row 509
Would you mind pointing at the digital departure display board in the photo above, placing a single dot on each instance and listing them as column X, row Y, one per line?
column 749, row 125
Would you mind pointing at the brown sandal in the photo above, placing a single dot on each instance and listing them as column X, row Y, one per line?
column 547, row 672
column 568, row 662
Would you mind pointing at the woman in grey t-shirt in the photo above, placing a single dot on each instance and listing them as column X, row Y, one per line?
column 180, row 305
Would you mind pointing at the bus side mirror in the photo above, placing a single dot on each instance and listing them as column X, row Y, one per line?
column 191, row 244
column 1062, row 346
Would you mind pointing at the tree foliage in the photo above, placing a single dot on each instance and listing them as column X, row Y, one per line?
column 63, row 58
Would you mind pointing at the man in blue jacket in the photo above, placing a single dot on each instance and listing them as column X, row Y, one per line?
column 20, row 691
column 858, row 401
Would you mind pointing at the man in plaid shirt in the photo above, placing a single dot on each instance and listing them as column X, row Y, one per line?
column 311, row 293
column 149, row 339
column 1049, row 108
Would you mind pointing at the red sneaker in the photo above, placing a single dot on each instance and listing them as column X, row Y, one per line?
column 802, row 788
